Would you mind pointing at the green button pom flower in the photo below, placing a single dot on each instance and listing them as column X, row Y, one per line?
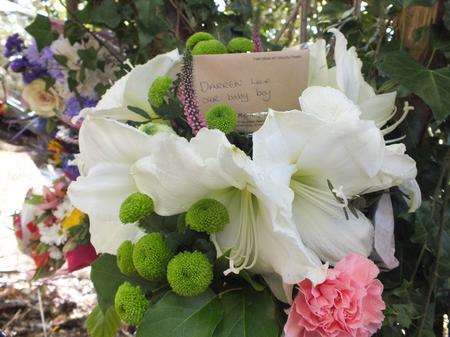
column 207, row 215
column 222, row 117
column 130, row 303
column 125, row 258
column 151, row 256
column 135, row 207
column 240, row 45
column 197, row 37
column 158, row 90
column 189, row 274
column 209, row 47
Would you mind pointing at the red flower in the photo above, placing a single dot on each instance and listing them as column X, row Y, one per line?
column 82, row 256
column 40, row 260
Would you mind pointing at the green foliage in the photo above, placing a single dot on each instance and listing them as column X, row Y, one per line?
column 151, row 256
column 41, row 30
column 125, row 258
column 248, row 313
column 135, row 207
column 222, row 117
column 240, row 45
column 189, row 274
column 209, row 47
column 103, row 324
column 130, row 303
column 176, row 316
column 432, row 85
column 207, row 215
column 106, row 277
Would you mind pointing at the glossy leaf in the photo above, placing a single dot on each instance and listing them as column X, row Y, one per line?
column 102, row 324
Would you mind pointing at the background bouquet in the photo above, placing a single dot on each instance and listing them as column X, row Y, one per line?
column 51, row 231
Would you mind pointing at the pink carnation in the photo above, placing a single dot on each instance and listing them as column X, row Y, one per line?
column 347, row 304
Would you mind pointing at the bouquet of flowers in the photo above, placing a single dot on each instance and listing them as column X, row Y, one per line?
column 52, row 231
column 206, row 231
column 60, row 78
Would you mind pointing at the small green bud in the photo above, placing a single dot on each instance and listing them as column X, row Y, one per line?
column 151, row 256
column 209, row 47
column 189, row 274
column 197, row 37
column 222, row 117
column 158, row 90
column 130, row 303
column 125, row 258
column 135, row 207
column 240, row 45
column 207, row 215
column 154, row 128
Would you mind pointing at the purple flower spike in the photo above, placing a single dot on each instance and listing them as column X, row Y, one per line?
column 257, row 43
column 14, row 45
column 194, row 118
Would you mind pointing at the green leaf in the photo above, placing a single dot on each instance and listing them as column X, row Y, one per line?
column 41, row 30
column 88, row 57
column 175, row 316
column 61, row 59
column 139, row 111
column 107, row 13
column 73, row 31
column 106, row 277
column 432, row 86
column 101, row 324
column 248, row 313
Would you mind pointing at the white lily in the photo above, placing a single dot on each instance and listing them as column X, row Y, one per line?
column 132, row 89
column 260, row 236
column 108, row 149
column 328, row 140
column 347, row 77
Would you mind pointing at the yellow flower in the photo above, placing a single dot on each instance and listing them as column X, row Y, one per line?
column 73, row 219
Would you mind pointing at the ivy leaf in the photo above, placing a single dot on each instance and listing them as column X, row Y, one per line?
column 431, row 85
column 41, row 30
column 106, row 277
column 107, row 13
column 248, row 313
column 73, row 31
column 88, row 57
column 101, row 324
column 61, row 59
column 176, row 316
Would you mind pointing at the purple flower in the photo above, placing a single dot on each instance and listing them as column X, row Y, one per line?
column 45, row 60
column 71, row 171
column 19, row 65
column 14, row 45
column 75, row 104
column 32, row 72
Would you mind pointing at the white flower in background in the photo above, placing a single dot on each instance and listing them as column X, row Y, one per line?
column 132, row 89
column 63, row 47
column 45, row 102
column 51, row 235
column 55, row 253
column 108, row 149
column 327, row 140
column 261, row 235
column 63, row 209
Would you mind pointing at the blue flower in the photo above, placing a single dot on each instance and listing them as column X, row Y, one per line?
column 19, row 65
column 14, row 45
column 75, row 104
column 32, row 72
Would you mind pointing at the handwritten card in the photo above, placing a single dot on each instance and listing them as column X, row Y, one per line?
column 251, row 83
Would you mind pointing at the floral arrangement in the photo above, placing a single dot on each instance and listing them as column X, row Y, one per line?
column 207, row 231
column 52, row 231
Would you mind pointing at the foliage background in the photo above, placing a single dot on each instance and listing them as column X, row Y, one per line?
column 405, row 46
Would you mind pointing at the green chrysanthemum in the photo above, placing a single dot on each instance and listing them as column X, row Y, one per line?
column 130, row 303
column 151, row 256
column 125, row 258
column 135, row 207
column 154, row 128
column 158, row 90
column 209, row 47
column 240, row 45
column 222, row 117
column 189, row 274
column 207, row 215
column 197, row 37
